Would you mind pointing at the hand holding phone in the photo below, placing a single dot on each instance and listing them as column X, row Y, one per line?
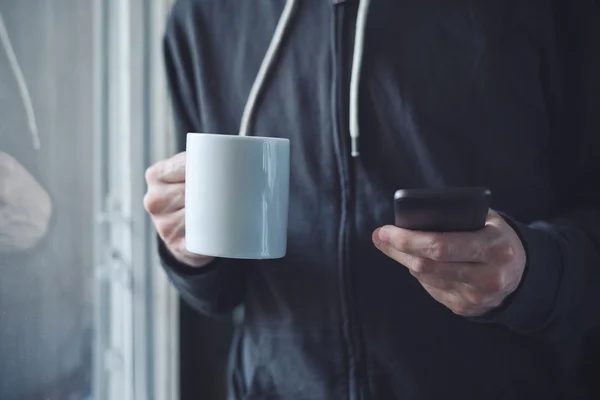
column 465, row 256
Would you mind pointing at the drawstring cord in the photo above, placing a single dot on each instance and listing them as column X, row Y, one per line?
column 267, row 65
column 357, row 59
column 21, row 83
column 274, row 47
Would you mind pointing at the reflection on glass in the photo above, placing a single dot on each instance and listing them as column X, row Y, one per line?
column 45, row 200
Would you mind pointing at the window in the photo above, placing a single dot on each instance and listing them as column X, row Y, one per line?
column 85, row 311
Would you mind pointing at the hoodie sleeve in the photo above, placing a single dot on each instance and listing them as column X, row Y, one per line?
column 559, row 296
column 217, row 289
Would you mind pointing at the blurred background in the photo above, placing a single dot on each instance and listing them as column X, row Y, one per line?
column 85, row 309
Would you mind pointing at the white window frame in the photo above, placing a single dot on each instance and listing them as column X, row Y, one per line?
column 136, row 309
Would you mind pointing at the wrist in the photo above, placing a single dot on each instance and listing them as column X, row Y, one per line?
column 193, row 260
column 182, row 261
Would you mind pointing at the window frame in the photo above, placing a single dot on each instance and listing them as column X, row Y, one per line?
column 136, row 309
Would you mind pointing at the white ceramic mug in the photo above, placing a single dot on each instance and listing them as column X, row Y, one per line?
column 236, row 196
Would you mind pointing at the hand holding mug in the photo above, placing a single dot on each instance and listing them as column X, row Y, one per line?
column 165, row 202
column 226, row 196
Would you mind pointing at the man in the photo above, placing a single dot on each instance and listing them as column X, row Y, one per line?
column 500, row 94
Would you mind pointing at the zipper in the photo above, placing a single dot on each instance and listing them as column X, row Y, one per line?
column 342, row 60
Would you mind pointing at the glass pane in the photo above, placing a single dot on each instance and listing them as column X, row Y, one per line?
column 46, row 274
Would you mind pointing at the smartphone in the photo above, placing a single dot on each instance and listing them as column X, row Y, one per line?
column 442, row 210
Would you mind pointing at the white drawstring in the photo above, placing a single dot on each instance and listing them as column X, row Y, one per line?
column 274, row 47
column 357, row 58
column 267, row 64
column 21, row 83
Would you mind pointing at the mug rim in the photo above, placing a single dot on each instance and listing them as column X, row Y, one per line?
column 236, row 137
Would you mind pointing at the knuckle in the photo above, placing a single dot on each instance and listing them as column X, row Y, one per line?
column 420, row 266
column 398, row 242
column 153, row 203
column 438, row 250
column 147, row 201
column 386, row 247
column 502, row 252
column 152, row 172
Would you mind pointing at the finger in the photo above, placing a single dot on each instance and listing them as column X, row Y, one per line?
column 454, row 273
column 448, row 247
column 171, row 170
column 440, row 275
column 171, row 228
column 482, row 277
column 165, row 198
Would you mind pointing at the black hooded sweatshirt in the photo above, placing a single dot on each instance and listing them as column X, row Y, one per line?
column 502, row 94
